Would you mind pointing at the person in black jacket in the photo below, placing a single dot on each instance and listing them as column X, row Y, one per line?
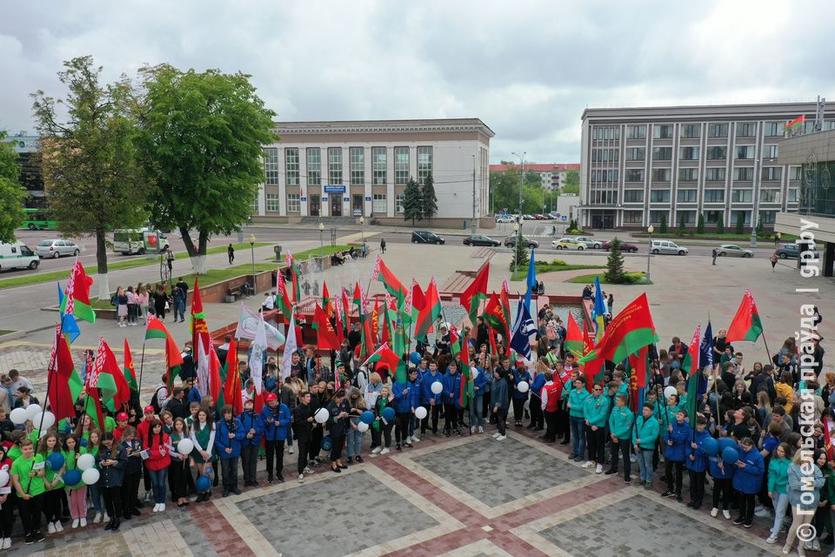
column 302, row 428
column 338, row 420
column 111, row 462
column 176, row 404
column 318, row 399
column 187, row 367
column 133, row 474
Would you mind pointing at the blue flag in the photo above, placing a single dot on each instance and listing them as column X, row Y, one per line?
column 69, row 327
column 706, row 348
column 523, row 328
column 599, row 310
column 531, row 280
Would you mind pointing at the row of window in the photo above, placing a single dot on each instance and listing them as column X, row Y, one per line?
column 273, row 204
column 694, row 131
column 713, row 174
column 689, row 217
column 691, row 196
column 356, row 165
column 687, row 153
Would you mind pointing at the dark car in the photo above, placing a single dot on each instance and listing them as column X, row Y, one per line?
column 788, row 251
column 510, row 242
column 624, row 246
column 426, row 237
column 481, row 240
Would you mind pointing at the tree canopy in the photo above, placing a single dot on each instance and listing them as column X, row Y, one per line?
column 504, row 187
column 412, row 202
column 428, row 198
column 12, row 194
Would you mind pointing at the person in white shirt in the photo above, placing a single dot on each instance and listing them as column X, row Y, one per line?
column 269, row 301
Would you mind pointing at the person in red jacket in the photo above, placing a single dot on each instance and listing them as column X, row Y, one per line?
column 550, row 396
column 121, row 424
column 158, row 461
column 143, row 428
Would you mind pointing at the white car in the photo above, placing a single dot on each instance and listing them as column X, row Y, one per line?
column 590, row 242
column 505, row 219
column 56, row 248
column 667, row 247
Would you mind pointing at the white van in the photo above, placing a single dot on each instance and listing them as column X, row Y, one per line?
column 668, row 247
column 138, row 241
column 17, row 256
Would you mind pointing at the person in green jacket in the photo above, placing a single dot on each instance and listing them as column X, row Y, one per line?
column 595, row 413
column 53, row 483
column 576, row 398
column 778, row 487
column 28, row 481
column 620, row 430
column 644, row 436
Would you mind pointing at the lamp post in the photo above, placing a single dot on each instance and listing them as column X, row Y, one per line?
column 521, row 181
column 252, row 254
column 321, row 242
column 516, row 229
column 651, row 229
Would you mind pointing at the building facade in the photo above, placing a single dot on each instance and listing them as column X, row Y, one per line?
column 642, row 165
column 361, row 168
column 552, row 175
column 28, row 149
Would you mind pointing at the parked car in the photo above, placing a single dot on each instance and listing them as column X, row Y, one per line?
column 624, row 246
column 510, row 242
column 539, row 216
column 590, row 242
column 481, row 240
column 667, row 247
column 426, row 237
column 733, row 250
column 17, row 255
column 56, row 248
column 568, row 243
column 505, row 219
column 788, row 251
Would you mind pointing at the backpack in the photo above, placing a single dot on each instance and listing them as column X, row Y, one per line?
column 155, row 400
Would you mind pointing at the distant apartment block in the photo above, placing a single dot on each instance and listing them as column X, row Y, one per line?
column 551, row 175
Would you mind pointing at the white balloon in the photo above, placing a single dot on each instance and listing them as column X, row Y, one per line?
column 321, row 415
column 185, row 446
column 90, row 476
column 437, row 387
column 523, row 387
column 18, row 416
column 33, row 410
column 669, row 391
column 4, row 478
column 86, row 462
column 48, row 420
column 420, row 412
column 362, row 427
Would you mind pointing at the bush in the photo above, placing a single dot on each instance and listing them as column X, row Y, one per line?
column 663, row 226
column 720, row 225
column 740, row 222
column 700, row 227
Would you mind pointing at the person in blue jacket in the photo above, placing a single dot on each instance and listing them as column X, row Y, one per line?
column 645, row 437
column 596, row 415
column 402, row 404
column 228, row 435
column 416, row 395
column 621, row 420
column 480, row 383
column 696, row 463
column 675, row 442
column 537, row 413
column 253, row 429
column 520, row 374
column 192, row 390
column 452, row 403
column 430, row 400
column 500, row 400
column 722, row 475
column 275, row 419
column 747, row 479
column 576, row 402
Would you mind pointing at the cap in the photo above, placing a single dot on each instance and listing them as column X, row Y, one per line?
column 121, row 416
column 149, row 409
column 271, row 397
column 338, row 363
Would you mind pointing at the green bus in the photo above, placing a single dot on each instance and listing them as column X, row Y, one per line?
column 39, row 219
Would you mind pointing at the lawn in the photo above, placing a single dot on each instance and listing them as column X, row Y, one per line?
column 553, row 266
column 634, row 278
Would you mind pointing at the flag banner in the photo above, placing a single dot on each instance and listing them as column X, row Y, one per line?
column 598, row 313
column 523, row 329
column 629, row 331
column 573, row 337
column 796, row 121
column 706, row 348
column 390, row 282
column 256, row 356
column 64, row 384
column 692, row 366
column 431, row 311
column 325, row 333
column 289, row 347
column 476, row 292
column 531, row 282
column 746, row 324
column 69, row 326
column 155, row 328
column 285, row 306
column 248, row 326
column 77, row 294
column 129, row 369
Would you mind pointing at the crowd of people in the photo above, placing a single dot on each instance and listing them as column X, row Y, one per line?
column 135, row 303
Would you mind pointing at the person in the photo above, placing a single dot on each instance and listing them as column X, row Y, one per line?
column 158, row 462
column 133, row 306
column 480, row 381
column 805, row 481
column 778, row 488
column 53, row 484
column 178, row 471
column 6, row 508
column 402, row 404
column 501, row 402
column 142, row 299
column 620, row 429
column 430, row 400
column 230, row 253
column 121, row 300
column 714, row 254
column 675, row 443
column 160, row 301
column 595, row 411
column 228, row 435
column 383, row 245
column 354, row 440
column 520, row 374
column 179, row 298
column 203, row 437
column 29, row 486
column 111, row 462
column 452, row 402
column 302, row 427
column 747, row 479
column 133, row 473
column 276, row 418
column 338, row 413
column 380, row 428
column 773, row 260
column 576, row 406
column 169, row 259
column 253, row 425
column 644, row 437
column 696, row 463
column 78, row 492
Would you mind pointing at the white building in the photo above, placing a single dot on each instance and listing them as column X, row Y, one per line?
column 361, row 168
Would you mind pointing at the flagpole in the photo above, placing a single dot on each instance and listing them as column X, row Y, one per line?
column 767, row 351
column 141, row 367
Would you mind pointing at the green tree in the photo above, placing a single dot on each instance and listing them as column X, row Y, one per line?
column 12, row 194
column 412, row 202
column 504, row 187
column 572, row 182
column 614, row 264
column 700, row 226
column 201, row 142
column 740, row 222
column 519, row 260
column 681, row 226
column 720, row 224
column 428, row 198
column 760, row 229
column 89, row 159
column 663, row 226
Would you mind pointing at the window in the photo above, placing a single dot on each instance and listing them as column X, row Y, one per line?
column 717, row 153
column 659, row 196
column 424, row 163
column 293, row 203
column 746, row 129
column 717, row 130
column 398, row 203
column 606, row 132
column 379, row 203
column 743, row 174
column 357, row 155
column 632, row 217
column 794, row 173
column 634, row 175
column 604, row 197
column 744, row 151
column 272, row 202
column 714, row 196
column 378, row 166
column 314, row 168
column 271, row 166
column 656, row 216
column 335, row 165
column 746, row 217
column 712, row 217
column 688, row 174
column 686, row 217
column 770, row 151
column 686, row 196
column 633, row 196
column 660, row 174
column 792, row 197
column 291, row 165
column 715, row 174
column 604, row 155
column 770, row 196
column 635, row 153
column 662, row 131
column 690, row 130
column 254, row 205
column 689, row 153
column 741, row 196
column 772, row 173
column 767, row 217
column 662, row 153
column 604, row 176
column 774, row 129
column 401, row 165
column 636, row 132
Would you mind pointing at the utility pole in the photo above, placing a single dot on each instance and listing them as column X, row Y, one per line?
column 474, row 225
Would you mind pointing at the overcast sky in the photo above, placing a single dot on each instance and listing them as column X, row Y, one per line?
column 527, row 69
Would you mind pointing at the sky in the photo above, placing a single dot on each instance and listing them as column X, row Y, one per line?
column 528, row 69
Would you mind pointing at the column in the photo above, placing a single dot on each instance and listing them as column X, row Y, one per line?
column 369, row 178
column 346, row 180
column 389, row 181
column 324, row 208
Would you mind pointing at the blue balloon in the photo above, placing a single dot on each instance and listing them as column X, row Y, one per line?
column 730, row 455
column 327, row 443
column 56, row 460
column 710, row 446
column 203, row 484
column 725, row 442
column 367, row 417
column 414, row 357
column 72, row 477
column 82, row 442
column 388, row 414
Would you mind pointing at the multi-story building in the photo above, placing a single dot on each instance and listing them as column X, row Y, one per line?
column 642, row 165
column 551, row 175
column 28, row 151
column 361, row 168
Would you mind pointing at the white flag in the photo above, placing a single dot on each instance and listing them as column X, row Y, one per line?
column 248, row 324
column 289, row 347
column 256, row 355
column 202, row 369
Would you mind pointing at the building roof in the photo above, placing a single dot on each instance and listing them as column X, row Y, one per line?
column 537, row 167
column 404, row 126
column 781, row 110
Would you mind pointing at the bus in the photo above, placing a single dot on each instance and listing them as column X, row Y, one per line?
column 38, row 219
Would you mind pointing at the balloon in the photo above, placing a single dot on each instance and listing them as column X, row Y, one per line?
column 18, row 416
column 203, row 484
column 321, row 415
column 33, row 410
column 388, row 414
column 56, row 460
column 47, row 417
column 4, row 478
column 82, row 442
column 90, row 476
column 710, row 446
column 327, row 443
column 414, row 357
column 725, row 442
column 523, row 387
column 669, row 391
column 420, row 412
column 86, row 462
column 72, row 477
column 367, row 417
column 185, row 446
column 437, row 387
column 730, row 455
column 362, row 427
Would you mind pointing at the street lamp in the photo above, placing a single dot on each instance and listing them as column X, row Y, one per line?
column 252, row 253
column 362, row 229
column 321, row 242
column 651, row 229
column 522, row 179
column 516, row 231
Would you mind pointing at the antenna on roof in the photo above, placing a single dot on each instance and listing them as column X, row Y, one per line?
column 819, row 113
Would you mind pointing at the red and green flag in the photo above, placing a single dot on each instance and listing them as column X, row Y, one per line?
column 64, row 385
column 173, row 357
column 295, row 277
column 573, row 337
column 476, row 292
column 325, row 334
column 796, row 121
column 112, row 385
column 746, row 324
column 76, row 300
column 282, row 297
column 215, row 380
column 346, row 311
column 418, row 299
column 594, row 369
column 231, row 392
column 326, row 299
column 431, row 311
column 375, row 320
column 129, row 369
column 629, row 331
column 390, row 282
column 495, row 317
column 357, row 299
column 467, row 390
column 386, row 357
column 692, row 365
